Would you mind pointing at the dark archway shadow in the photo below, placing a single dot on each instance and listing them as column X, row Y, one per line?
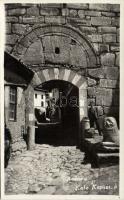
column 66, row 131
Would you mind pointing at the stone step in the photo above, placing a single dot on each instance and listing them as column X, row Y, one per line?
column 108, row 154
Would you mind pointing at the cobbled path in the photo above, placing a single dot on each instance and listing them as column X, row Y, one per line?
column 58, row 171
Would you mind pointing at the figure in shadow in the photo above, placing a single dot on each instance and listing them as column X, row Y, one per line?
column 7, row 145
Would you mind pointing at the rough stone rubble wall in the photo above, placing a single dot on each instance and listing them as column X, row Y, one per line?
column 98, row 22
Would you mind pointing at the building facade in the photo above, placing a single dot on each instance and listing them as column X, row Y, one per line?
column 77, row 43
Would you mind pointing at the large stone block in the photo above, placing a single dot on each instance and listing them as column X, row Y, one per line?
column 33, row 20
column 73, row 13
column 104, row 97
column 81, row 13
column 95, row 38
column 103, row 7
column 117, row 61
column 50, row 11
column 11, row 19
column 111, row 73
column 116, row 21
column 100, row 21
column 108, row 14
column 16, row 12
column 108, row 59
column 118, row 35
column 103, row 48
column 92, row 13
column 114, row 48
column 107, row 29
column 115, row 7
column 115, row 97
column 111, row 111
column 8, row 28
column 51, row 5
column 78, row 21
column 107, row 83
column 65, row 12
column 56, row 19
column 91, row 82
column 77, row 6
column 109, row 38
column 89, row 30
column 32, row 11
column 11, row 39
column 18, row 28
column 91, row 91
column 104, row 72
column 96, row 73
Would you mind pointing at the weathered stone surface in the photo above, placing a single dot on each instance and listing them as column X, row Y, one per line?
column 111, row 111
column 8, row 27
column 107, row 29
column 51, row 5
column 8, row 48
column 33, row 20
column 111, row 73
column 103, row 48
column 11, row 39
column 108, row 14
column 57, row 19
column 89, row 100
column 87, row 29
column 108, row 59
column 95, row 38
column 106, row 83
column 32, row 11
column 18, row 28
column 115, row 7
column 118, row 35
column 116, row 21
column 77, row 6
column 109, row 38
column 96, row 73
column 114, row 48
column 104, row 72
column 91, row 82
column 100, row 21
column 11, row 19
column 81, row 13
column 91, row 92
column 96, row 47
column 117, row 61
column 72, row 20
column 16, row 12
column 49, row 11
column 73, row 13
column 104, row 97
column 105, row 7
column 92, row 13
column 65, row 12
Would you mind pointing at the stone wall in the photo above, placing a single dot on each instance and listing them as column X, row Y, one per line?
column 99, row 24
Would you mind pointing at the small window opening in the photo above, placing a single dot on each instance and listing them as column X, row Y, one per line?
column 57, row 50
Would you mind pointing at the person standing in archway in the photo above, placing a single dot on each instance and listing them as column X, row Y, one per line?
column 93, row 117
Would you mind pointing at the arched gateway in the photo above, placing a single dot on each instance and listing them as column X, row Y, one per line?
column 55, row 52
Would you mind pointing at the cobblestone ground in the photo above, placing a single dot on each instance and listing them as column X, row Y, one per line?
column 58, row 170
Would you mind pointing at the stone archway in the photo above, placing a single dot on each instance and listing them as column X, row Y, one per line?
column 51, row 65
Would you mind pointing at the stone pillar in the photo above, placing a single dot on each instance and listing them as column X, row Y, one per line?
column 82, row 111
column 30, row 121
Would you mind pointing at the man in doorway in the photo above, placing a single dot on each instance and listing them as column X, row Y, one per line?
column 93, row 117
